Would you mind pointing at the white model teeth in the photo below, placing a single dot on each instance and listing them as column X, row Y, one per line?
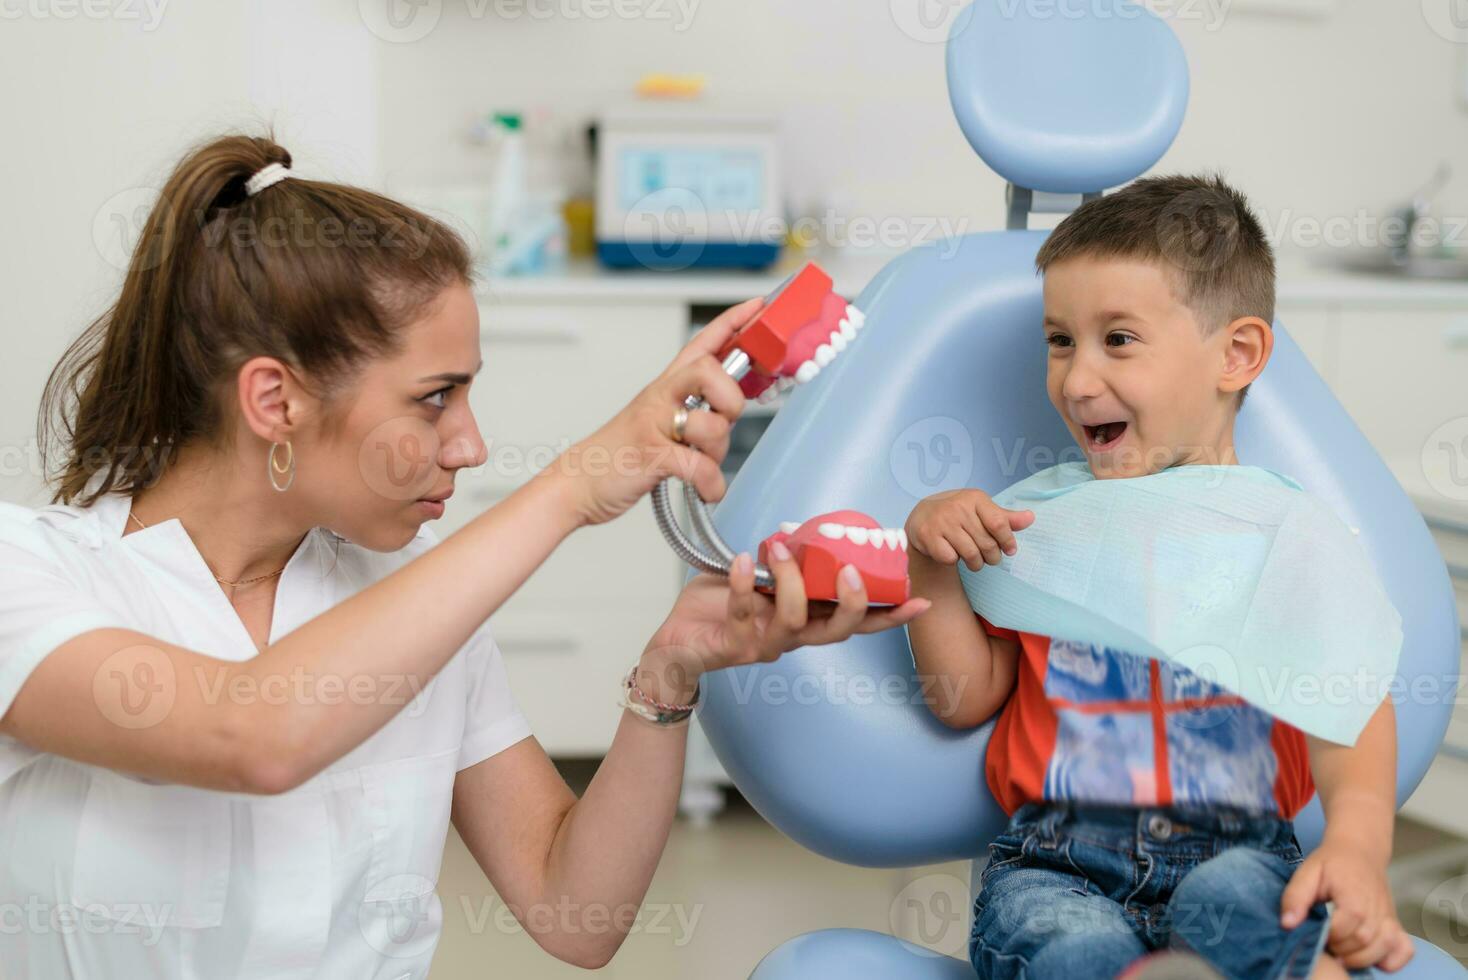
column 768, row 395
column 826, row 353
column 877, row 537
column 789, row 527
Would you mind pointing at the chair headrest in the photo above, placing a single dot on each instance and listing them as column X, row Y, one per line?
column 1066, row 96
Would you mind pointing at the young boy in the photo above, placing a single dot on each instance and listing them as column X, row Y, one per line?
column 1159, row 301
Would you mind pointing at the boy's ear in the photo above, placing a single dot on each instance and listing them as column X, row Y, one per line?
column 1247, row 344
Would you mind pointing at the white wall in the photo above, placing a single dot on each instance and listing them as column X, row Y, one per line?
column 97, row 110
column 1317, row 115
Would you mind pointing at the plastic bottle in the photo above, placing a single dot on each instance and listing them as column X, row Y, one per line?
column 510, row 197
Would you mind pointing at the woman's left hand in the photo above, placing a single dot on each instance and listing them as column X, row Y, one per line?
column 720, row 622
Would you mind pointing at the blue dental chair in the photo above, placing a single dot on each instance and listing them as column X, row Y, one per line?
column 945, row 388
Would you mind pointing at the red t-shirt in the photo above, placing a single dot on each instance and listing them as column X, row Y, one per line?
column 1097, row 725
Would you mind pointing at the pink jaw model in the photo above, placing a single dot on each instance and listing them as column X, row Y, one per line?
column 824, row 544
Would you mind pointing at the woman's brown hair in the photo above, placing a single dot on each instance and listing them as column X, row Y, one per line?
column 320, row 275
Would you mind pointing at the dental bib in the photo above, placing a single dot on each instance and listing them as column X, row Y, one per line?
column 1233, row 572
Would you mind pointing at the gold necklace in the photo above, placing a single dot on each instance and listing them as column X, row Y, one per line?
column 221, row 581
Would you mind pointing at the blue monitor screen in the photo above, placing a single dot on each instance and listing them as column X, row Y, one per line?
column 720, row 180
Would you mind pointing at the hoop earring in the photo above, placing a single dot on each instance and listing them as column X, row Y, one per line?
column 273, row 468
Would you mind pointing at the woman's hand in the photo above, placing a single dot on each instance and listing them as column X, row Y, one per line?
column 615, row 466
column 719, row 623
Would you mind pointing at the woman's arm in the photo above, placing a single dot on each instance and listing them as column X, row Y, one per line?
column 193, row 727
column 574, row 872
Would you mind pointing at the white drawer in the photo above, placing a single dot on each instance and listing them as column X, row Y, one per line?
column 1401, row 375
column 566, row 668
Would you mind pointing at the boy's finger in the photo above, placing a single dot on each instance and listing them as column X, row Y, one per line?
column 1344, row 922
column 996, row 522
column 1402, row 951
column 1299, row 894
column 1020, row 519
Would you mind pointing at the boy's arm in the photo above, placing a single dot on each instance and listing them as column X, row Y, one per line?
column 1358, row 784
column 974, row 671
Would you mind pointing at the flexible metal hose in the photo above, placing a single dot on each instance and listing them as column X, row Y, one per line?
column 736, row 365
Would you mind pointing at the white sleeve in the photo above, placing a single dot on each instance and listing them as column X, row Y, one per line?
column 493, row 721
column 41, row 605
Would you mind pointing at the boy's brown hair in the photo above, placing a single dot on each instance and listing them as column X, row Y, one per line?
column 1198, row 228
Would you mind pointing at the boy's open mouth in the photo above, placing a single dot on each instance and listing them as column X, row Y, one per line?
column 1104, row 436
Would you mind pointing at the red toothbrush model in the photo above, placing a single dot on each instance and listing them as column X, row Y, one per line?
column 801, row 329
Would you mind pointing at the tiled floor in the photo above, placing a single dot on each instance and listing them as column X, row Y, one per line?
column 726, row 895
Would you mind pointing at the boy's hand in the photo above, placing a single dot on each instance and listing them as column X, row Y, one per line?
column 1364, row 930
column 964, row 524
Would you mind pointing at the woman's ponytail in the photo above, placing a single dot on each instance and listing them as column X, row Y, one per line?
column 319, row 275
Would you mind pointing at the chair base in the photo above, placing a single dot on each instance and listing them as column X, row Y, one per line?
column 859, row 954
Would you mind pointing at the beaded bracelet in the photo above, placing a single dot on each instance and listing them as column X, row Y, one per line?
column 653, row 710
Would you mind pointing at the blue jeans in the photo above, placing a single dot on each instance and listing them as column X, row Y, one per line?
column 1077, row 892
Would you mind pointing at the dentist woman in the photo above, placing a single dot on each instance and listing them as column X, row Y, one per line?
column 244, row 689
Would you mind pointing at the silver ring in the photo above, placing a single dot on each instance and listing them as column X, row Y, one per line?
column 680, row 423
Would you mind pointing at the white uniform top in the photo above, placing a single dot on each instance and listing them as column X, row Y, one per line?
column 104, row 874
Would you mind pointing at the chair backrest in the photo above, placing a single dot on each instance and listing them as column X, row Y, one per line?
column 944, row 388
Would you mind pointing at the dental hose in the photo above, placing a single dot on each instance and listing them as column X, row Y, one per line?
column 710, row 553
